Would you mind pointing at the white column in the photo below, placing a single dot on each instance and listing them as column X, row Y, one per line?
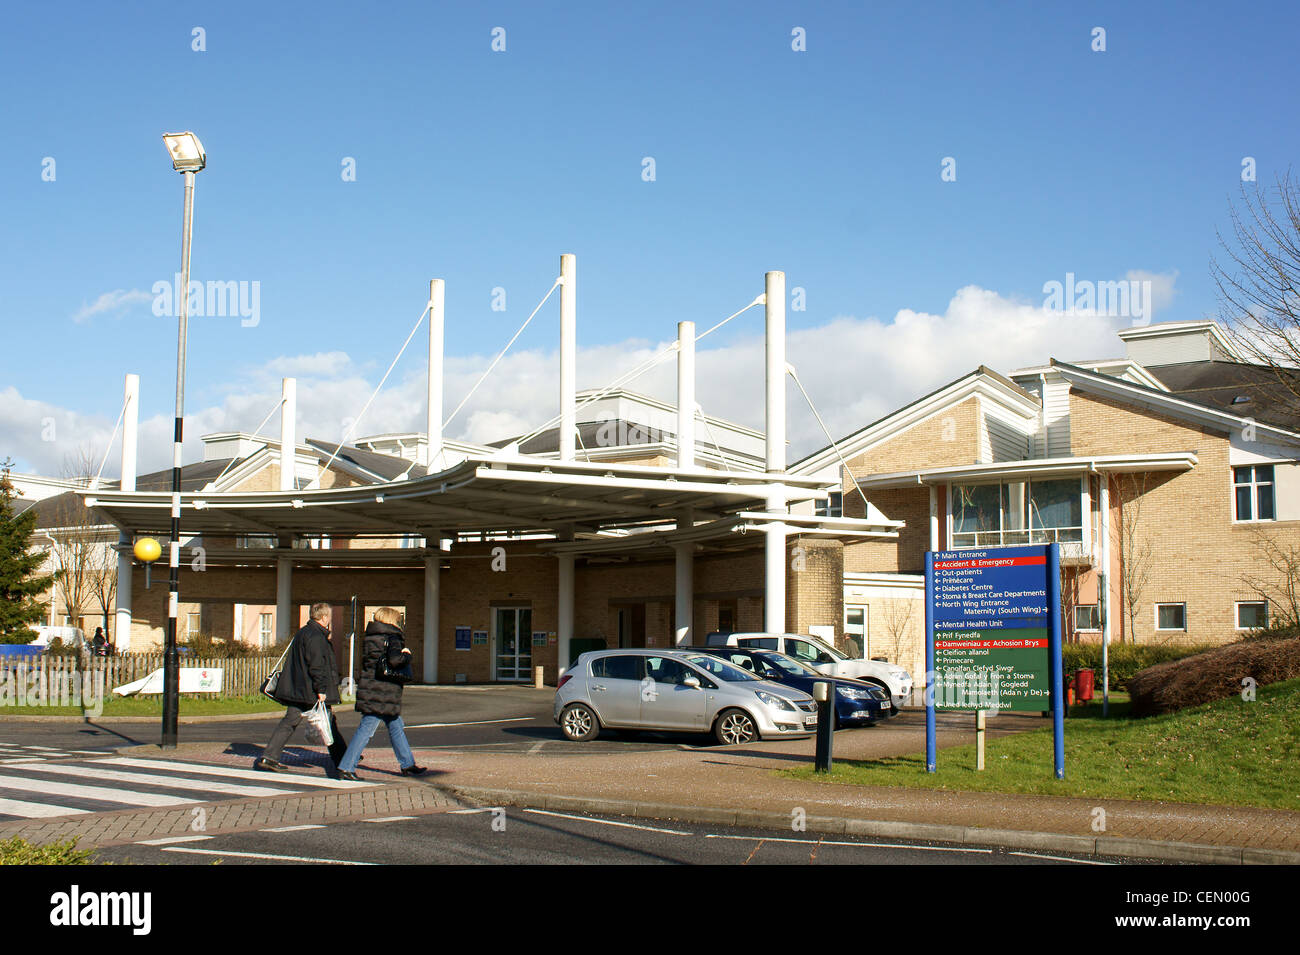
column 774, row 568
column 564, row 613
column 685, row 395
column 934, row 517
column 288, row 432
column 437, row 320
column 685, row 592
column 122, row 607
column 283, row 603
column 775, row 372
column 432, row 598
column 130, row 434
column 568, row 359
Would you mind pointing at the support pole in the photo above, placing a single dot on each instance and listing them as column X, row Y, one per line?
column 433, row 447
column 125, row 564
column 774, row 567
column 568, row 361
column 564, row 614
column 1103, row 591
column 432, row 600
column 684, row 590
column 775, row 371
column 283, row 603
column 1054, row 649
column 171, row 653
column 685, row 395
column 122, row 608
column 930, row 688
column 288, row 433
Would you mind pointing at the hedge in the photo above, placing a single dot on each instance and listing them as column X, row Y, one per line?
column 1214, row 675
column 1126, row 659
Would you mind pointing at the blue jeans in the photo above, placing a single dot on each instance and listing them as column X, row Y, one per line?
column 360, row 739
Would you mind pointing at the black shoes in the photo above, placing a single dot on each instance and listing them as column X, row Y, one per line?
column 269, row 765
column 414, row 771
column 350, row 777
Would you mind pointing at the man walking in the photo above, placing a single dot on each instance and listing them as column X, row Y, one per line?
column 310, row 674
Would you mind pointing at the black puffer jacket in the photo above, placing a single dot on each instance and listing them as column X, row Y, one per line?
column 309, row 669
column 374, row 696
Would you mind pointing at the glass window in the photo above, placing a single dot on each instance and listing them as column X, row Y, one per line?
column 1055, row 504
column 1253, row 493
column 721, row 668
column 1171, row 616
column 807, row 652
column 831, row 506
column 1087, row 617
column 1252, row 615
column 662, row 670
column 757, row 643
column 975, row 508
column 623, row 667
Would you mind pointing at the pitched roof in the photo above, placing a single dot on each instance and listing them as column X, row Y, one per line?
column 1272, row 395
column 381, row 467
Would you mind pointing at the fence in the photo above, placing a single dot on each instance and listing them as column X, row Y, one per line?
column 240, row 677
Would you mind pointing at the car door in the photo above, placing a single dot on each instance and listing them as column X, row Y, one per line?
column 667, row 702
column 811, row 654
column 615, row 687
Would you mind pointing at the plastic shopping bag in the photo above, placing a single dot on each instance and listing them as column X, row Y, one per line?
column 319, row 732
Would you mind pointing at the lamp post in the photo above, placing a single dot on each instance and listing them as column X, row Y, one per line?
column 188, row 158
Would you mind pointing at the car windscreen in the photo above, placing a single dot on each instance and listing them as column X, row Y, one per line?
column 789, row 664
column 720, row 668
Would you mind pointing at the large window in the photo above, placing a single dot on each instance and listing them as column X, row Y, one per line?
column 832, row 506
column 1087, row 617
column 1019, row 512
column 1253, row 493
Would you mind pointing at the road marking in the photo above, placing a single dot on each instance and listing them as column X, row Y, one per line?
column 425, row 726
column 23, row 759
column 262, row 855
column 610, row 822
column 473, row 812
column 860, row 845
column 388, row 819
column 208, row 769
column 291, row 828
column 171, row 839
column 536, row 746
column 172, row 782
column 1039, row 855
column 30, row 810
column 78, row 791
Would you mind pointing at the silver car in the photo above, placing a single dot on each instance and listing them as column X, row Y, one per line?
column 678, row 690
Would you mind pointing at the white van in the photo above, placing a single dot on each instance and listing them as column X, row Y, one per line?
column 70, row 636
column 824, row 658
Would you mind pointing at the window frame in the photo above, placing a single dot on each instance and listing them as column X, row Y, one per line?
column 1236, row 614
column 1096, row 608
column 1170, row 603
column 1255, row 485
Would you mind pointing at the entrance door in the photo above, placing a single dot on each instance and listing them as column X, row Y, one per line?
column 513, row 643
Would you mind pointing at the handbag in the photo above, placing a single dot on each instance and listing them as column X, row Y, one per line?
column 319, row 731
column 400, row 675
column 272, row 682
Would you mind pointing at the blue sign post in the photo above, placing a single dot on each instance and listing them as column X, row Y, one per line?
column 993, row 636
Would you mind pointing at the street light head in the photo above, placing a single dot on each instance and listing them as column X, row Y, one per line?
column 186, row 151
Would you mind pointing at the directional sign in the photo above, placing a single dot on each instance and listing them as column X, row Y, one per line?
column 993, row 635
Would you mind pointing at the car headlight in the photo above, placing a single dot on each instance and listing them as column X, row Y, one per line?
column 853, row 692
column 771, row 699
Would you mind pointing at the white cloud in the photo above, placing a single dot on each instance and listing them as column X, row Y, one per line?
column 856, row 370
column 113, row 301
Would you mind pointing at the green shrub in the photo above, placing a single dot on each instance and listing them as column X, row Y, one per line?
column 17, row 851
column 1126, row 659
column 207, row 647
column 1215, row 674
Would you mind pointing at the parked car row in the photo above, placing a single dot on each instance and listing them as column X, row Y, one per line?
column 736, row 693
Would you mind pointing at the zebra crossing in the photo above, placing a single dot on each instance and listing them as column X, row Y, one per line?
column 42, row 788
column 20, row 753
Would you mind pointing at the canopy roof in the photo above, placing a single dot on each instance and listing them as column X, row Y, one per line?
column 479, row 495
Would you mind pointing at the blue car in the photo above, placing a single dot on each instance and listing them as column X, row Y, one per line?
column 856, row 703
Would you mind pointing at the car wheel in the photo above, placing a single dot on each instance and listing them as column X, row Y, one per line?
column 734, row 727
column 578, row 722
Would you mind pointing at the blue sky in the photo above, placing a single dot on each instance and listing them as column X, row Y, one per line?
column 481, row 167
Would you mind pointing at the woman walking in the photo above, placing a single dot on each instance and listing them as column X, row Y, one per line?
column 379, row 697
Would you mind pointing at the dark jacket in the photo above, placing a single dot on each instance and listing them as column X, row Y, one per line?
column 374, row 696
column 309, row 669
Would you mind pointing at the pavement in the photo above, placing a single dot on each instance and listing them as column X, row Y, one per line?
column 522, row 761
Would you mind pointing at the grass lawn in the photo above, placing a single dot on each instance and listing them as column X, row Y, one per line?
column 151, row 706
column 1229, row 752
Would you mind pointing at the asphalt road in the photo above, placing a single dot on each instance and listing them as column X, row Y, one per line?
column 528, row 836
column 500, row 718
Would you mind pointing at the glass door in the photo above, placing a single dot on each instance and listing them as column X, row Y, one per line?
column 513, row 629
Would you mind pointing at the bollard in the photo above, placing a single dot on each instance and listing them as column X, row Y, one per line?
column 825, row 698
column 539, row 682
column 979, row 739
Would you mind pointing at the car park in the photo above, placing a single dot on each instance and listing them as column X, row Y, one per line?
column 680, row 690
column 824, row 658
column 857, row 703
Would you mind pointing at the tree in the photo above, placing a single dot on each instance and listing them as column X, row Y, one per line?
column 898, row 627
column 1282, row 587
column 1259, row 284
column 77, row 539
column 1136, row 557
column 21, row 584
